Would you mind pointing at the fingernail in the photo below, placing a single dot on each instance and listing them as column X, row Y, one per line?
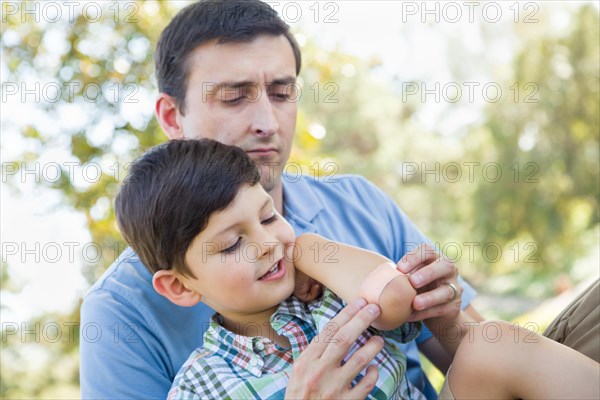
column 403, row 265
column 419, row 303
column 373, row 309
column 360, row 303
column 417, row 279
column 378, row 339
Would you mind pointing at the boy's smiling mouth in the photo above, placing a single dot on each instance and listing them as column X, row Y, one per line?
column 275, row 272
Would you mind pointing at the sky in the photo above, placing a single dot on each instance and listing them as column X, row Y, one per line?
column 45, row 244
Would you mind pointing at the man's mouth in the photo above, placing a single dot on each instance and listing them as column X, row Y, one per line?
column 262, row 151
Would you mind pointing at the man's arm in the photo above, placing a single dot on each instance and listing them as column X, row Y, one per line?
column 437, row 303
column 115, row 355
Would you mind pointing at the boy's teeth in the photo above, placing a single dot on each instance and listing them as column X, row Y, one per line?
column 273, row 269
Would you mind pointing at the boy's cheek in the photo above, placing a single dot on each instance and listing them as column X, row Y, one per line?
column 289, row 252
column 287, row 230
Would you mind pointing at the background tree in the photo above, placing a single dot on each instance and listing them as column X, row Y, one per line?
column 353, row 118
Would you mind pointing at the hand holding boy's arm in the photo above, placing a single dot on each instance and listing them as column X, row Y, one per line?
column 438, row 301
column 318, row 372
column 352, row 272
column 435, row 279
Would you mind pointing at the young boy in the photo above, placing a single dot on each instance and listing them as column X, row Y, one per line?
column 196, row 215
column 198, row 219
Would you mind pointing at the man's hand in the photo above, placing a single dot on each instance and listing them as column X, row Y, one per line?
column 435, row 279
column 307, row 289
column 318, row 372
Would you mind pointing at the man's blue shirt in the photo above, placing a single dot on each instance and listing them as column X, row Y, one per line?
column 133, row 341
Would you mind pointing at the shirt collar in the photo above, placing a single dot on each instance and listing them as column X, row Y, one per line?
column 292, row 319
column 299, row 199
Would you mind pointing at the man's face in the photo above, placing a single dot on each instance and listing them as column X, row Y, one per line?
column 243, row 94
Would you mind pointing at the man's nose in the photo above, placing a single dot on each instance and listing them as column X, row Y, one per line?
column 264, row 123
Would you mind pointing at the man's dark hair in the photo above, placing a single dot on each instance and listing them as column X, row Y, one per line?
column 170, row 193
column 238, row 21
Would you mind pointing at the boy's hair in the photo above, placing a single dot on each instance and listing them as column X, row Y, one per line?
column 171, row 192
column 238, row 21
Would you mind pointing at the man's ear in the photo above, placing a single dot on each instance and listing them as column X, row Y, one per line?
column 167, row 114
column 170, row 285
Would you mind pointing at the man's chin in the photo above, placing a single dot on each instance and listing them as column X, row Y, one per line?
column 270, row 178
column 270, row 184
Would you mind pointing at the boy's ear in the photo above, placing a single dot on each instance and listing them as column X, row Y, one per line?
column 167, row 114
column 168, row 284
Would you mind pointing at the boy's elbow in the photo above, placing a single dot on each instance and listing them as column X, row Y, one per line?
column 395, row 303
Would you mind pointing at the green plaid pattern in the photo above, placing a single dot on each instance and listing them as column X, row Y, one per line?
column 232, row 366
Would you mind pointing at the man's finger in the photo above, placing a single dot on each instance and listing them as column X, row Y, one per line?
column 362, row 357
column 346, row 335
column 366, row 384
column 326, row 336
column 419, row 257
column 444, row 294
column 438, row 311
column 440, row 268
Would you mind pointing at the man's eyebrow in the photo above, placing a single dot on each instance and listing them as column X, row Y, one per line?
column 230, row 85
column 287, row 80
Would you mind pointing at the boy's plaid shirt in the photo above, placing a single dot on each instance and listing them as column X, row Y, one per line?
column 232, row 366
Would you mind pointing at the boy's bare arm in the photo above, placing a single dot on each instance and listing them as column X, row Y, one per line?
column 346, row 269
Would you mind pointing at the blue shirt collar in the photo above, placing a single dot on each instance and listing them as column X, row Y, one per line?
column 299, row 201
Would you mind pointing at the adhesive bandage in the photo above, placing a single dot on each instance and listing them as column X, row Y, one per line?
column 377, row 280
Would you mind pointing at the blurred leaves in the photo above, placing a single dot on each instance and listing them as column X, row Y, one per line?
column 542, row 212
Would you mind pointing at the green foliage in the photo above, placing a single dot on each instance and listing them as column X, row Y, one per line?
column 549, row 198
column 548, row 151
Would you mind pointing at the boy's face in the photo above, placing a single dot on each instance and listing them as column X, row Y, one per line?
column 244, row 94
column 242, row 260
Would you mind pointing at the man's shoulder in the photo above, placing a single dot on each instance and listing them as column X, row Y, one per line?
column 348, row 186
column 125, row 292
column 127, row 277
column 340, row 181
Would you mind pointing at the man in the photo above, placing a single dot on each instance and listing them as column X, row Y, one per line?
column 226, row 70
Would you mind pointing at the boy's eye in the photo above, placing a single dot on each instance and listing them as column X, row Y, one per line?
column 234, row 247
column 269, row 220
